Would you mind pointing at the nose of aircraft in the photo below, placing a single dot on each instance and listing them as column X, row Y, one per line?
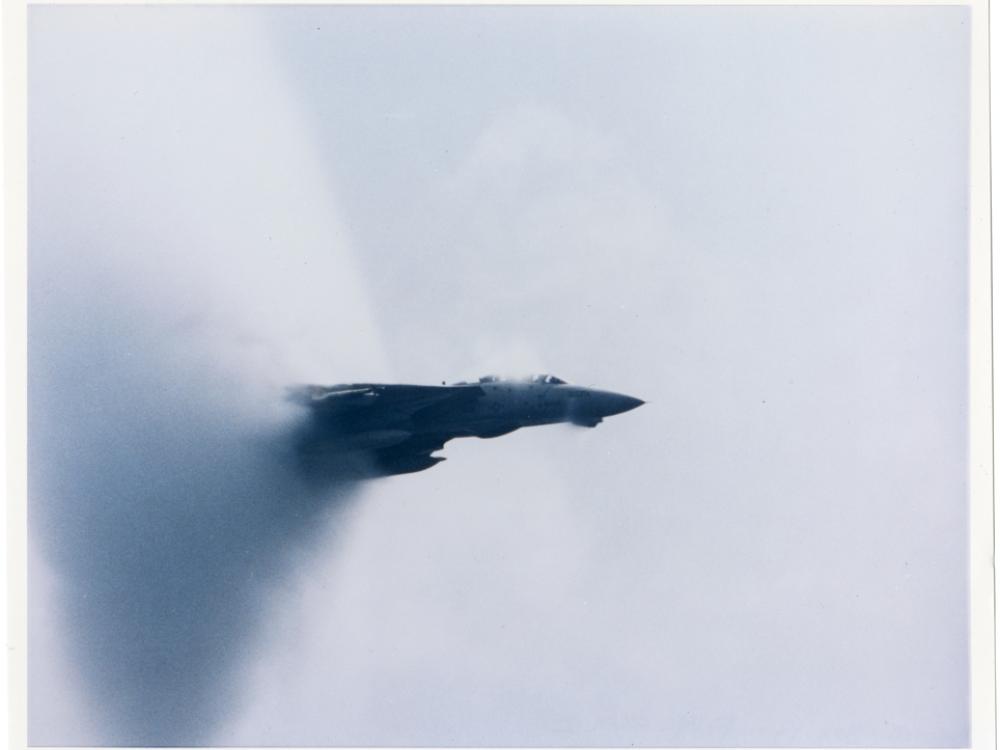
column 616, row 403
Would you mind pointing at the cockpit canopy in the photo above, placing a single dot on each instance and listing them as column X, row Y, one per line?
column 542, row 379
column 547, row 380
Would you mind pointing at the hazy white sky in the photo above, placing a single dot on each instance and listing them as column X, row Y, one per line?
column 753, row 218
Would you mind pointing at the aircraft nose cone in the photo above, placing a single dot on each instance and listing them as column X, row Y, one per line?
column 617, row 403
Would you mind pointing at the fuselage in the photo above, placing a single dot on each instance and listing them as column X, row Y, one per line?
column 402, row 425
column 527, row 404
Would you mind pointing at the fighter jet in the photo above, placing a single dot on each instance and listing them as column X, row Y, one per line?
column 395, row 429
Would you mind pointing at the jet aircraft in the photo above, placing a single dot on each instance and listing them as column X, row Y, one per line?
column 382, row 429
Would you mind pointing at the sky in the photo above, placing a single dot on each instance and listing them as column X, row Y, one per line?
column 755, row 219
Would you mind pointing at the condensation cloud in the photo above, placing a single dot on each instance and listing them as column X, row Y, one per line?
column 187, row 263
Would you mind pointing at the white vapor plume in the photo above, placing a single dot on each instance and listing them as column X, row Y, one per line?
column 187, row 263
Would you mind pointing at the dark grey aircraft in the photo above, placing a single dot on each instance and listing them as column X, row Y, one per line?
column 381, row 430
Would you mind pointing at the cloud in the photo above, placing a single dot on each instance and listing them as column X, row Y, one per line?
column 778, row 533
column 187, row 264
